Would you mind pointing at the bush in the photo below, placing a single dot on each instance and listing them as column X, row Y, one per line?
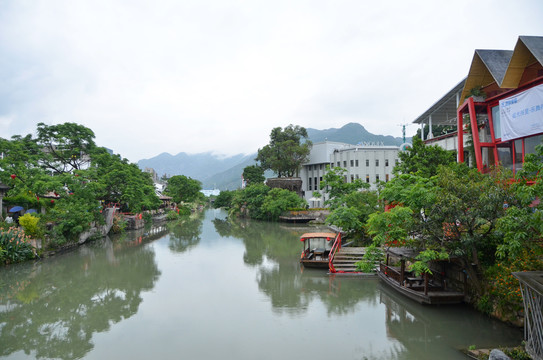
column 119, row 224
column 14, row 246
column 29, row 223
column 172, row 215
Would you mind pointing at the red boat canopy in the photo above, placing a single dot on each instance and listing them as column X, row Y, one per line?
column 328, row 236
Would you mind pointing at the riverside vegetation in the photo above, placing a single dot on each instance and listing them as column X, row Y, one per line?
column 69, row 180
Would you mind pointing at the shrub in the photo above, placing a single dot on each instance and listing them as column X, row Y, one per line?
column 119, row 224
column 29, row 223
column 15, row 246
column 172, row 215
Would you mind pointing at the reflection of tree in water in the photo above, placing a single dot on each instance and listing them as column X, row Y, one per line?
column 185, row 233
column 52, row 308
column 423, row 329
column 275, row 249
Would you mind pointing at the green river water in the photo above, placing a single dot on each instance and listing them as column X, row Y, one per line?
column 206, row 288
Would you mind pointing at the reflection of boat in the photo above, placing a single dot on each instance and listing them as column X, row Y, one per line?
column 316, row 249
column 425, row 290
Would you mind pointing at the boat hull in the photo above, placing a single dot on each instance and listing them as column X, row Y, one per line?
column 433, row 297
column 317, row 264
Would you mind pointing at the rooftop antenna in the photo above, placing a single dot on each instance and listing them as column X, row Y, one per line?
column 404, row 125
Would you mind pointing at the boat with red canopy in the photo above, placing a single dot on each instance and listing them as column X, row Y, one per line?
column 316, row 249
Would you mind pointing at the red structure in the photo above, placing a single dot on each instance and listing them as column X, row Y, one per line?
column 497, row 110
column 506, row 122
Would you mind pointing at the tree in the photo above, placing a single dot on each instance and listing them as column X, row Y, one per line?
column 224, row 199
column 285, row 153
column 455, row 212
column 183, row 188
column 253, row 174
column 123, row 182
column 248, row 202
column 350, row 203
column 423, row 160
column 65, row 147
column 278, row 201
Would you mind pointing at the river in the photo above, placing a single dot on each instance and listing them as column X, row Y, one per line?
column 206, row 288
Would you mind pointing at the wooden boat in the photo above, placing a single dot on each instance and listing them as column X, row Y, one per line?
column 316, row 249
column 425, row 289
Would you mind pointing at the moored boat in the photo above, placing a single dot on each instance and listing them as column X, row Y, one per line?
column 424, row 289
column 316, row 249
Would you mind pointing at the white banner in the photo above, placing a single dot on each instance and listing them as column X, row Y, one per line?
column 522, row 115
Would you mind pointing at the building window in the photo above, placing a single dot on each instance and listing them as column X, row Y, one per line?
column 357, row 177
column 352, row 178
column 352, row 163
column 316, row 184
column 339, row 164
column 320, row 166
column 386, row 162
column 376, row 177
column 345, row 178
column 367, row 178
column 309, row 183
column 367, row 162
column 386, row 178
column 376, row 162
column 344, row 163
column 356, row 163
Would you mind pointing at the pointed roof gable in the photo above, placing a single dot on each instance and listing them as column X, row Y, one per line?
column 487, row 67
column 528, row 50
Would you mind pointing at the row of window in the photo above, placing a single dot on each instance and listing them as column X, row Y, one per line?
column 353, row 163
column 313, row 181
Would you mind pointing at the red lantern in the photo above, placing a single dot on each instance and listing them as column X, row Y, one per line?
column 13, row 176
column 37, row 197
column 52, row 201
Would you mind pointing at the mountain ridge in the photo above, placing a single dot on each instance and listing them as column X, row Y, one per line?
column 224, row 173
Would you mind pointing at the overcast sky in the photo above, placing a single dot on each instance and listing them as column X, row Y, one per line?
column 196, row 76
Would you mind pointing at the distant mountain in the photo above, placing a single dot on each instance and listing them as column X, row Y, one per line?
column 351, row 133
column 197, row 166
column 224, row 173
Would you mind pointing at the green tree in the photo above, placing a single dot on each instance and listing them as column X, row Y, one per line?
column 248, row 202
column 286, row 152
column 253, row 174
column 183, row 189
column 455, row 212
column 278, row 201
column 224, row 199
column 423, row 160
column 123, row 182
column 350, row 203
column 65, row 147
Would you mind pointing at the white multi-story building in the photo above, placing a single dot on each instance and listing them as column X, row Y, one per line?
column 369, row 162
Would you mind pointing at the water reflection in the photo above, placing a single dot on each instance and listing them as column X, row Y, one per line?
column 52, row 308
column 185, row 233
column 274, row 250
column 424, row 330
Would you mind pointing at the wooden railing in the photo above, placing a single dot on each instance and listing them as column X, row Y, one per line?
column 333, row 250
column 390, row 271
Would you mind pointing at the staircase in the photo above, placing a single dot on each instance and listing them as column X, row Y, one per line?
column 346, row 257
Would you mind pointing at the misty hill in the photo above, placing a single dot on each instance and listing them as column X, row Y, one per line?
column 197, row 166
column 224, row 173
column 351, row 133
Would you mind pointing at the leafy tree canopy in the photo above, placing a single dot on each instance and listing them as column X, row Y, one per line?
column 253, row 174
column 184, row 189
column 423, row 160
column 286, row 152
